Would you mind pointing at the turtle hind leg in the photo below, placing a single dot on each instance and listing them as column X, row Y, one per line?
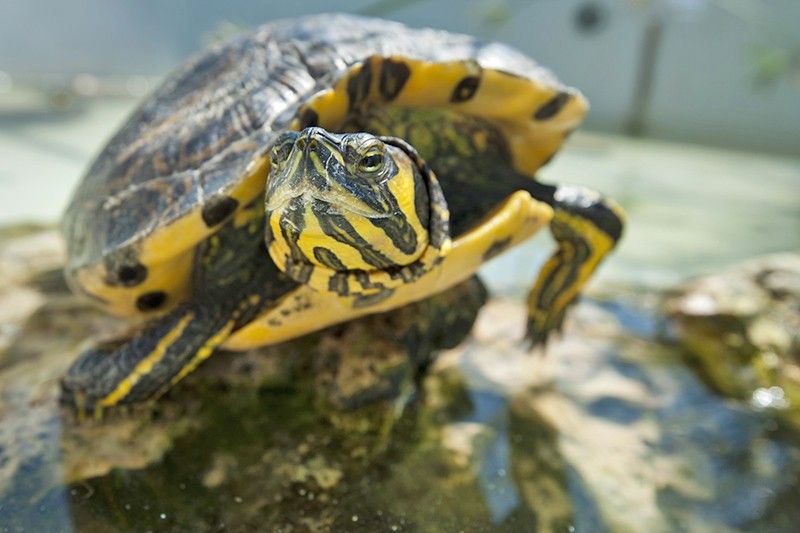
column 586, row 227
column 444, row 320
column 383, row 357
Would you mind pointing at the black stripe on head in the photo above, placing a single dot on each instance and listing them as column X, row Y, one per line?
column 552, row 106
column 358, row 85
column 329, row 259
column 300, row 271
column 377, row 195
column 465, row 89
column 438, row 226
column 397, row 227
column 399, row 231
column 421, row 201
column 339, row 284
column 338, row 228
column 394, row 75
column 292, row 224
column 372, row 192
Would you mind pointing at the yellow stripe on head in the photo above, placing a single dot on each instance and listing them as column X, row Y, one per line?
column 354, row 214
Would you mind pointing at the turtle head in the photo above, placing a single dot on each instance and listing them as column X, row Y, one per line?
column 352, row 213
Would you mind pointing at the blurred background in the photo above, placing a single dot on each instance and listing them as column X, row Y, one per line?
column 710, row 77
column 718, row 72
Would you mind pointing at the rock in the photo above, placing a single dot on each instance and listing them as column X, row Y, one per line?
column 743, row 326
column 606, row 430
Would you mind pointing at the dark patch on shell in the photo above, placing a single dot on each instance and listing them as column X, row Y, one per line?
column 218, row 209
column 150, row 301
column 465, row 89
column 552, row 106
column 123, row 268
column 394, row 75
column 358, row 85
column 131, row 275
column 309, row 119
column 496, row 248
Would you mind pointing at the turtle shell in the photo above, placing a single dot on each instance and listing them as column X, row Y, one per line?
column 193, row 154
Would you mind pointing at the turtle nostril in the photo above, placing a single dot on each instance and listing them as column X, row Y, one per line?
column 300, row 143
column 312, row 144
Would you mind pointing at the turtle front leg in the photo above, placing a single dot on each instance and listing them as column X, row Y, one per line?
column 586, row 228
column 147, row 365
column 233, row 284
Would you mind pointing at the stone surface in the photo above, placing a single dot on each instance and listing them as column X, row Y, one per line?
column 743, row 326
column 606, row 430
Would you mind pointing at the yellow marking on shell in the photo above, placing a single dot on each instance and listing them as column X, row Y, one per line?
column 164, row 243
column 508, row 100
column 204, row 352
column 432, row 84
column 518, row 217
column 330, row 105
column 145, row 366
column 168, row 253
column 172, row 276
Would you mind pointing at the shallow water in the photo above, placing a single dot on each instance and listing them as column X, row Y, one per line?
column 612, row 430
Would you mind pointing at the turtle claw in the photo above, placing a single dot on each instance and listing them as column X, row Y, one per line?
column 540, row 329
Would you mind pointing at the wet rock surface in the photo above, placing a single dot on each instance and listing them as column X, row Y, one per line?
column 609, row 430
column 743, row 328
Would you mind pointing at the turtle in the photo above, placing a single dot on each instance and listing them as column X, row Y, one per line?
column 316, row 170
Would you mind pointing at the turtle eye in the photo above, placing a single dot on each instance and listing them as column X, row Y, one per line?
column 371, row 162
